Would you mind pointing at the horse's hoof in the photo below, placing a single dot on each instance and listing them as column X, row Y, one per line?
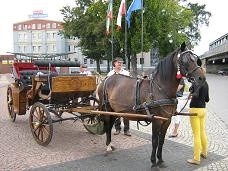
column 113, row 148
column 109, row 148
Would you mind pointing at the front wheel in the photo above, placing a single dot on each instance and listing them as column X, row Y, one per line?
column 10, row 104
column 41, row 124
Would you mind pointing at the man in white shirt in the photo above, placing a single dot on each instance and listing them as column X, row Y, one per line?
column 117, row 64
column 84, row 70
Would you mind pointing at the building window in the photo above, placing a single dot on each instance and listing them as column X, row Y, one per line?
column 54, row 48
column 19, row 27
column 53, row 25
column 68, row 48
column 39, row 48
column 101, row 61
column 19, row 37
column 25, row 26
column 25, row 37
column 33, row 26
column 54, row 35
column 38, row 26
column 34, row 35
column 48, row 25
column 48, row 35
column 39, row 36
column 85, row 61
column 91, row 61
column 34, row 48
column 25, row 48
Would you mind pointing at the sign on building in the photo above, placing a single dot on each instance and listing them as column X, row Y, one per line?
column 38, row 14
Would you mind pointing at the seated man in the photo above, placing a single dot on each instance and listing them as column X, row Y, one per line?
column 84, row 70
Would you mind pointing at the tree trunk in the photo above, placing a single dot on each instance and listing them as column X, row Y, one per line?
column 108, row 65
column 134, row 64
column 98, row 65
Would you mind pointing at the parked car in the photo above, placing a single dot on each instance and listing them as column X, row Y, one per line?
column 223, row 71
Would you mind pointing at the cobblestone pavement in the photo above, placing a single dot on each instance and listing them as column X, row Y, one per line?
column 73, row 148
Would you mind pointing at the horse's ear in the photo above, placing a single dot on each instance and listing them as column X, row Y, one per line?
column 183, row 46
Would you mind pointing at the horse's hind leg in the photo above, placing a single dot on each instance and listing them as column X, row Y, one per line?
column 155, row 136
column 162, row 134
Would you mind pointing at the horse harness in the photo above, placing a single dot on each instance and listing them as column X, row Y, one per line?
column 148, row 104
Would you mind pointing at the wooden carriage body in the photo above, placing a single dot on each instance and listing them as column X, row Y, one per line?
column 32, row 79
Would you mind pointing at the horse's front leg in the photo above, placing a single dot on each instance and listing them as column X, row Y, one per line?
column 155, row 135
column 162, row 134
column 108, row 129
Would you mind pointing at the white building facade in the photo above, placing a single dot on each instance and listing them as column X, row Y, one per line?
column 39, row 37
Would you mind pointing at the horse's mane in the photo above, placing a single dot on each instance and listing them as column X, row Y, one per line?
column 165, row 67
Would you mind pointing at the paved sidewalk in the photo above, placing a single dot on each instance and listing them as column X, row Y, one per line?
column 73, row 148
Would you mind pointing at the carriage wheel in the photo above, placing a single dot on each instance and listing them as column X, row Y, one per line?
column 90, row 120
column 41, row 124
column 11, row 112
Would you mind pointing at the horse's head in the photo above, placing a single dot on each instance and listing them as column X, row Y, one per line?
column 189, row 66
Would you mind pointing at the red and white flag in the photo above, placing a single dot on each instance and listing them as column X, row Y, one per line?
column 121, row 12
column 109, row 17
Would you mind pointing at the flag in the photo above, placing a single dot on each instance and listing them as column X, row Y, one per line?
column 135, row 5
column 121, row 12
column 109, row 16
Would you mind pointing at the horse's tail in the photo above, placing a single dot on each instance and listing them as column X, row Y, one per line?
column 97, row 89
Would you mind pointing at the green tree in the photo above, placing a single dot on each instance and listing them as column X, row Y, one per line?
column 166, row 24
column 86, row 21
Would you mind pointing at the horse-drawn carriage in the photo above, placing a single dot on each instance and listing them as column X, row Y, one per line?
column 39, row 86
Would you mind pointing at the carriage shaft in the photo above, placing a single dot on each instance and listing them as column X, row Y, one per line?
column 128, row 115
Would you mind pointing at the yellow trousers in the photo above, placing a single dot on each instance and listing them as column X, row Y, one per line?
column 199, row 133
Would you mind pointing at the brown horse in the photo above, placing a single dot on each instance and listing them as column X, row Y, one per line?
column 155, row 96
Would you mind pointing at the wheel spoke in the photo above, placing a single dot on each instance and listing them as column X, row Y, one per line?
column 36, row 116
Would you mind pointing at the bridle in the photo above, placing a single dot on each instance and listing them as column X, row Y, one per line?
column 181, row 66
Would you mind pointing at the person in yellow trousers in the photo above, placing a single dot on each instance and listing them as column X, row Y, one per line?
column 198, row 105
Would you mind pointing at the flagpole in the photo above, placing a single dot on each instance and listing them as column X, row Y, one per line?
column 142, row 39
column 125, row 48
column 112, row 32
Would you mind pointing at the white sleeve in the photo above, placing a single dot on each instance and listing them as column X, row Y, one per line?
column 110, row 73
column 125, row 72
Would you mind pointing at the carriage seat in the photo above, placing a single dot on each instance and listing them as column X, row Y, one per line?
column 27, row 75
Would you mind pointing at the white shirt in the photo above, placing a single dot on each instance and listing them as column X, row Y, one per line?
column 86, row 72
column 122, row 71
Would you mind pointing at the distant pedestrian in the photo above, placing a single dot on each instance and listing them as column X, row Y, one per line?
column 176, row 119
column 198, row 105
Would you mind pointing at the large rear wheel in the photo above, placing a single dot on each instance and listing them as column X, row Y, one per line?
column 11, row 112
column 41, row 124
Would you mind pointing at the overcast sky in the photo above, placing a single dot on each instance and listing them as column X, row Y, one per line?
column 13, row 11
